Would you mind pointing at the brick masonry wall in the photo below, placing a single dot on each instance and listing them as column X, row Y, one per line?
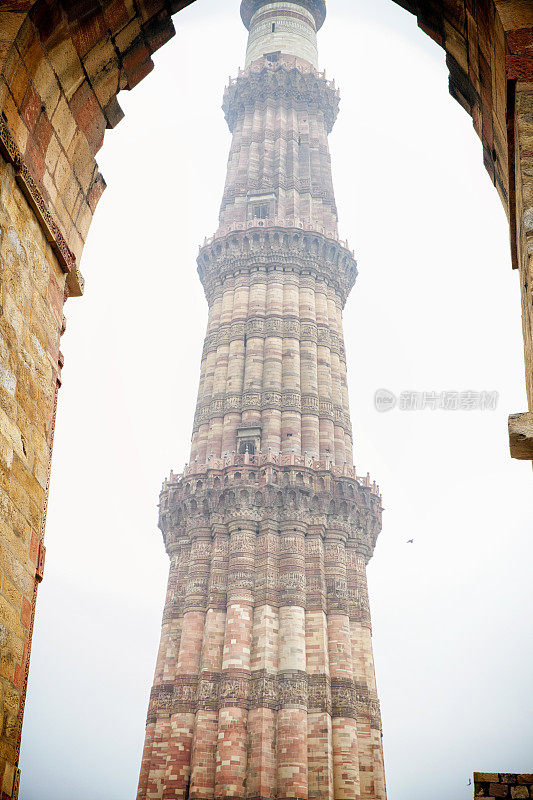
column 496, row 785
column 60, row 72
column 32, row 288
column 524, row 196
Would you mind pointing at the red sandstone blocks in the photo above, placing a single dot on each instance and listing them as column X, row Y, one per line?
column 231, row 753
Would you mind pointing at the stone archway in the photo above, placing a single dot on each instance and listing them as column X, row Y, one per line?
column 62, row 65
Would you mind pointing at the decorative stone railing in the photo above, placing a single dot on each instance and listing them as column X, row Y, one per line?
column 289, row 62
column 277, row 222
column 286, row 79
column 197, row 468
column 301, row 250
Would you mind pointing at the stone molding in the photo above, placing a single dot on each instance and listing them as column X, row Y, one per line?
column 39, row 206
column 316, row 7
column 282, row 82
column 274, row 325
column 316, row 694
column 301, row 496
column 287, row 183
column 270, row 461
column 283, row 401
column 275, row 249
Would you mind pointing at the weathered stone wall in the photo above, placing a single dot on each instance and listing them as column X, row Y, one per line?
column 61, row 67
column 496, row 785
column 32, row 287
column 524, row 195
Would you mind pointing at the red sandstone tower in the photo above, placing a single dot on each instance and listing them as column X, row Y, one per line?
column 264, row 685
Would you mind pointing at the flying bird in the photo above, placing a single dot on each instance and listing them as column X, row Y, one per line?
column 469, row 782
column 410, row 541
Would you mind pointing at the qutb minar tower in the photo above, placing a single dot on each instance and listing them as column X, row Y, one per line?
column 264, row 685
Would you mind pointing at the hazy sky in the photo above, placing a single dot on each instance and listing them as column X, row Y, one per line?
column 436, row 307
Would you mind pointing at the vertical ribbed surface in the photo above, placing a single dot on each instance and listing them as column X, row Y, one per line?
column 273, row 691
column 274, row 359
column 264, row 684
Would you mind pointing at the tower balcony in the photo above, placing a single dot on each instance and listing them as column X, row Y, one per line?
column 279, row 222
column 272, row 460
column 275, row 487
column 287, row 81
column 275, row 244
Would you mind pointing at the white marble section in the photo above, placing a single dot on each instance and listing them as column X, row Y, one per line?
column 280, row 31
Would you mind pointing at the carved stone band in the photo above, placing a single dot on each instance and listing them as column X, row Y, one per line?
column 277, row 248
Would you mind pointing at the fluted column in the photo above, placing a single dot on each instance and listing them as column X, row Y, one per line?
column 319, row 735
column 291, row 425
column 158, row 721
column 336, row 390
column 261, row 772
column 348, row 444
column 370, row 679
column 177, row 775
column 235, row 372
column 326, row 431
column 218, row 396
column 308, row 368
column 344, row 725
column 162, row 691
column 203, row 759
column 201, row 429
column 292, row 714
column 272, row 365
column 231, row 755
column 358, row 619
column 254, row 348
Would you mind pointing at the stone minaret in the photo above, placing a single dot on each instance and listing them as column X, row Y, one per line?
column 264, row 685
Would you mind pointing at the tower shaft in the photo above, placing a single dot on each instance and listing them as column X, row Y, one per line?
column 264, row 684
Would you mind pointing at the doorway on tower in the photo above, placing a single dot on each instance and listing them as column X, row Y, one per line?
column 261, row 211
column 249, row 439
column 261, row 207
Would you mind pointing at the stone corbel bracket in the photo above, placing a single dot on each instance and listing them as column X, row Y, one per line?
column 303, row 251
column 280, row 83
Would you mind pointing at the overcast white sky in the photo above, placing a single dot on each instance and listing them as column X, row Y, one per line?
column 436, row 307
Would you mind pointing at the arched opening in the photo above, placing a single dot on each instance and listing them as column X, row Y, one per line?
column 90, row 183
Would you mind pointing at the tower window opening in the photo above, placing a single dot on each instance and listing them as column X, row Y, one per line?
column 246, row 446
column 261, row 211
column 273, row 27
